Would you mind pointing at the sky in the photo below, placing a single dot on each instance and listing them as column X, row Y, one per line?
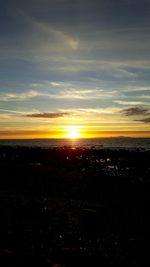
column 80, row 64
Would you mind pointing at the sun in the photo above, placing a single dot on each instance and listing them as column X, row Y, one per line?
column 73, row 132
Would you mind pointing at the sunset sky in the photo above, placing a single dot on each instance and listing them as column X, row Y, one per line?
column 74, row 64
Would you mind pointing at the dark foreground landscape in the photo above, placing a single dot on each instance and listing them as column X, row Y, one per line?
column 74, row 207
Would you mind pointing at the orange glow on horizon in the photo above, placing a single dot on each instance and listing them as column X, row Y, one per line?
column 70, row 132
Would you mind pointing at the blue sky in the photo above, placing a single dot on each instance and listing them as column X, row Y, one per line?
column 86, row 61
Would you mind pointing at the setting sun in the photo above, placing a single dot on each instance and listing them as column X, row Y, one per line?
column 73, row 132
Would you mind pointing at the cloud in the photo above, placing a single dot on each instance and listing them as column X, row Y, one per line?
column 86, row 94
column 123, row 73
column 46, row 91
column 60, row 84
column 55, row 83
column 12, row 111
column 62, row 37
column 136, row 88
column 135, row 111
column 146, row 120
column 132, row 103
column 140, row 112
column 51, row 37
column 19, row 96
column 48, row 115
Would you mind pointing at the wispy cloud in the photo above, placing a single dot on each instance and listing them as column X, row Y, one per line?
column 60, row 84
column 131, row 103
column 62, row 93
column 123, row 73
column 12, row 111
column 51, row 37
column 136, row 88
column 19, row 96
column 92, row 93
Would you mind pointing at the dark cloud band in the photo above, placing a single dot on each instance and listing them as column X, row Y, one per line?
column 135, row 111
column 146, row 120
column 48, row 115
